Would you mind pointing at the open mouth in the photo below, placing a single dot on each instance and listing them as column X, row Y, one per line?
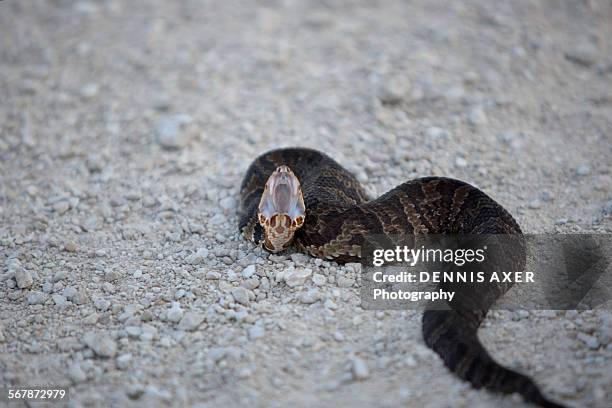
column 282, row 196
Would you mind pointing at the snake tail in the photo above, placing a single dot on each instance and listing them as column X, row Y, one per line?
column 453, row 337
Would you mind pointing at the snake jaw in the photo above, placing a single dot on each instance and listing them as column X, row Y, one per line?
column 281, row 209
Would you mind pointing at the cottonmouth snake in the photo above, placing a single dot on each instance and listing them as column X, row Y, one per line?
column 327, row 214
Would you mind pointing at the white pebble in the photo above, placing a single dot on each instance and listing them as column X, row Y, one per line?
column 101, row 344
column 191, row 321
column 310, row 296
column 123, row 361
column 583, row 170
column 319, row 279
column 22, row 276
column 175, row 313
column 360, row 369
column 59, row 300
column 297, row 277
column 256, row 332
column 213, row 275
column 248, row 271
column 76, row 373
column 241, row 295
column 37, row 298
column 477, row 117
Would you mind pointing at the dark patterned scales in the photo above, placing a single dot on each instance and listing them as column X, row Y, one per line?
column 339, row 215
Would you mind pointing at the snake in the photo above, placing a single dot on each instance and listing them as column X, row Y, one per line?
column 303, row 198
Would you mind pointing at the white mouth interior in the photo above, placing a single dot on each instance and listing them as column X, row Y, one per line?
column 282, row 195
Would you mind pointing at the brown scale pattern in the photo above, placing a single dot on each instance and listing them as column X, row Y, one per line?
column 339, row 215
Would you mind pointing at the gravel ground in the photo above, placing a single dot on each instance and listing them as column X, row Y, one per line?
column 125, row 129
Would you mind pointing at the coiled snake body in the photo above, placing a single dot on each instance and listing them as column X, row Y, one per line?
column 335, row 216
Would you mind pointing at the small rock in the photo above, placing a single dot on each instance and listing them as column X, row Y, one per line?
column 59, row 300
column 101, row 304
column 455, row 92
column 23, row 277
column 607, row 208
column 590, row 341
column 228, row 204
column 460, row 162
column 61, row 206
column 171, row 133
column 604, row 333
column 248, row 271
column 89, row 91
column 345, row 282
column 310, row 296
column 91, row 223
column 585, row 54
column 58, row 276
column 547, row 196
column 154, row 397
column 217, row 353
column 520, row 315
column 297, row 277
column 37, row 298
column 319, row 279
column 251, row 283
column 134, row 391
column 583, row 170
column 213, row 275
column 161, row 102
column 76, row 373
column 78, row 299
column 535, row 204
column 95, row 164
column 218, row 219
column 123, row 361
column 71, row 247
column 191, row 321
column 146, row 316
column 175, row 313
column 477, row 117
column 225, row 286
column 604, row 67
column 256, row 332
column 362, row 176
column 91, row 319
column 436, row 133
column 133, row 331
column 100, row 343
column 197, row 257
column 231, row 276
column 330, row 304
column 149, row 332
column 241, row 295
column 359, row 369
column 514, row 139
column 390, row 89
column 299, row 258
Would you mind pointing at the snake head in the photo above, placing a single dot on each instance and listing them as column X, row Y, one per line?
column 281, row 209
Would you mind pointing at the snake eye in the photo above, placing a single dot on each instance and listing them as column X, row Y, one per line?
column 262, row 219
